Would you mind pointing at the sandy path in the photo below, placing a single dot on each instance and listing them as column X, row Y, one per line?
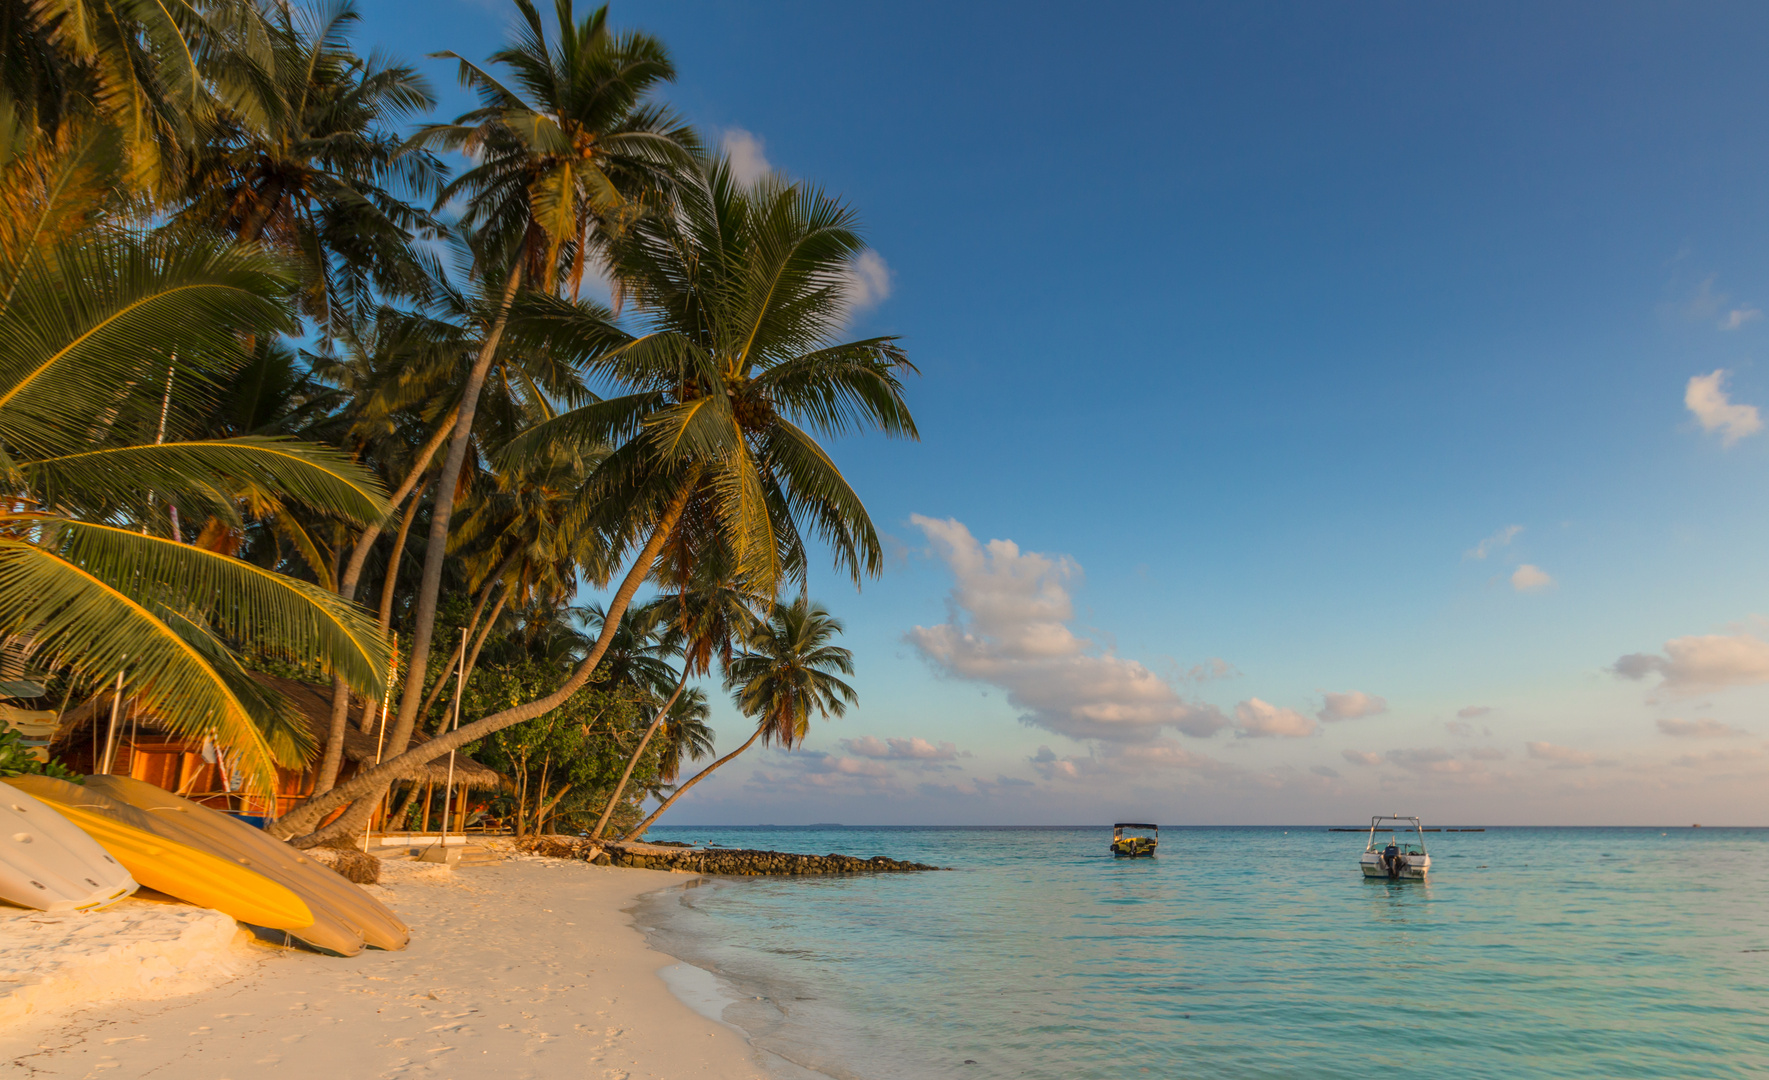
column 527, row 968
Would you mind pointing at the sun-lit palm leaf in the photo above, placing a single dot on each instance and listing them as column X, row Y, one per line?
column 266, row 611
column 323, row 479
column 90, row 320
column 77, row 621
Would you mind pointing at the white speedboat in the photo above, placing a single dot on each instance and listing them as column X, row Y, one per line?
column 1396, row 849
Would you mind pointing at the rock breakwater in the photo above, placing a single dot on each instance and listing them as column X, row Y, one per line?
column 734, row 861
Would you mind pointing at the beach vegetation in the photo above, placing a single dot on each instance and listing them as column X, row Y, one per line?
column 262, row 350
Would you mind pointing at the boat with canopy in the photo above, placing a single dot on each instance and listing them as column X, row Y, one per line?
column 1394, row 854
column 1134, row 840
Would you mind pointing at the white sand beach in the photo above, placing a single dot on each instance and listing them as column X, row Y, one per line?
column 526, row 968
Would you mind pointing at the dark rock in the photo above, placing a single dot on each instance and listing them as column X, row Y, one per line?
column 358, row 866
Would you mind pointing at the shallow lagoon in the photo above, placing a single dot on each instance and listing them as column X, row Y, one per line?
column 1245, row 952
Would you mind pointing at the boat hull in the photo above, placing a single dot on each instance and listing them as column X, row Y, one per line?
column 345, row 917
column 1416, row 869
column 168, row 866
column 48, row 863
column 1133, row 848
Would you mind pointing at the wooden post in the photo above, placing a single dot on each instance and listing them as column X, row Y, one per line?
column 110, row 742
column 429, row 790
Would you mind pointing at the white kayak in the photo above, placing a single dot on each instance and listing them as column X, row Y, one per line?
column 49, row 863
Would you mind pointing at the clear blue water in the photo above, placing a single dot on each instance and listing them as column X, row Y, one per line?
column 1244, row 953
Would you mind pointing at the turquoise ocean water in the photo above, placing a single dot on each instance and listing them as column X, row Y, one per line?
column 1244, row 953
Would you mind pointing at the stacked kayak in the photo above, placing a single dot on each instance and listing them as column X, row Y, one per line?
column 47, row 863
column 209, row 859
column 345, row 917
column 166, row 865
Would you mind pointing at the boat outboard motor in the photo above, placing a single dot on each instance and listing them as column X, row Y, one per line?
column 1391, row 860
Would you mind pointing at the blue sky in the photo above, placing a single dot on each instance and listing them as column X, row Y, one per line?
column 1254, row 322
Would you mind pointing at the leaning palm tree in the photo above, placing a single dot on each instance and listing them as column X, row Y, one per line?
column 786, row 675
column 699, row 625
column 734, row 370
column 93, row 578
column 685, row 735
column 564, row 158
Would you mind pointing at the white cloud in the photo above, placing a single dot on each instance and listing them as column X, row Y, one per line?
column 1530, row 578
column 1706, row 302
column 1500, row 539
column 1561, row 757
column 1007, row 626
column 1119, row 763
column 828, row 772
column 1702, row 662
column 1350, row 705
column 1718, row 757
column 869, row 280
column 1361, row 757
column 1707, row 399
column 1459, row 728
column 1427, row 759
column 1469, row 712
column 748, row 161
column 1738, row 316
column 1209, row 671
column 1699, row 729
column 912, row 749
column 1262, row 720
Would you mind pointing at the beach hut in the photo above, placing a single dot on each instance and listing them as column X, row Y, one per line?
column 143, row 748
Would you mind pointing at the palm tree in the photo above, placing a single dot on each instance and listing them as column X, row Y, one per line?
column 317, row 173
column 685, row 736
column 735, row 368
column 560, row 159
column 699, row 626
column 570, row 152
column 149, row 72
column 92, row 579
column 785, row 675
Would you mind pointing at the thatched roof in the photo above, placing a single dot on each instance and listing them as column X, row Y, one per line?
column 314, row 703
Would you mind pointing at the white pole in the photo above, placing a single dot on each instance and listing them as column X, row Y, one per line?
column 110, row 743
column 448, row 789
column 381, row 737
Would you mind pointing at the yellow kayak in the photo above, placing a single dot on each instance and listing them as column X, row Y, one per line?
column 345, row 916
column 171, row 867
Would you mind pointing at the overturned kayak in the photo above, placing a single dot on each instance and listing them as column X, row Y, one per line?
column 48, row 863
column 345, row 918
column 168, row 866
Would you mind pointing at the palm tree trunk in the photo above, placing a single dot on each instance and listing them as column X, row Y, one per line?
column 473, row 631
column 390, row 580
column 632, row 762
column 430, row 584
column 347, row 579
column 698, row 777
column 365, row 786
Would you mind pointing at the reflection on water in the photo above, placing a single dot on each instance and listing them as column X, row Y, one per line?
column 1246, row 953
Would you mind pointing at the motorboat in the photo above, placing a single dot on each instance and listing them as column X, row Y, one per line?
column 1396, row 849
column 1134, row 840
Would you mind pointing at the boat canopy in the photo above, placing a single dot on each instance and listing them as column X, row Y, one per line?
column 1134, row 825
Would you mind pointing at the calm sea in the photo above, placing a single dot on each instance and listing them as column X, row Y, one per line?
column 1244, row 953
